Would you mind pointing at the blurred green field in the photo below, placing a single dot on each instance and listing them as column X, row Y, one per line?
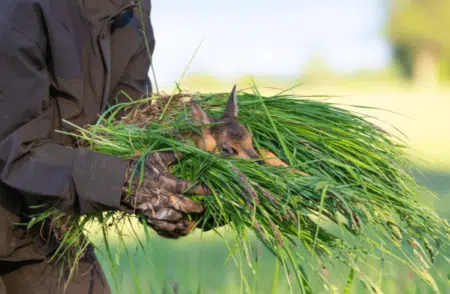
column 196, row 264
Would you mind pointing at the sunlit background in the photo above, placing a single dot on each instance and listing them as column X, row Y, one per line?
column 272, row 38
column 393, row 55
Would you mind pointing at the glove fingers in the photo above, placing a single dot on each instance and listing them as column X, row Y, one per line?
column 171, row 230
column 163, row 159
column 169, row 215
column 172, row 157
column 163, row 213
column 189, row 187
column 184, row 204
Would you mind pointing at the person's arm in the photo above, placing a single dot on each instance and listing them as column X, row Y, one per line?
column 30, row 161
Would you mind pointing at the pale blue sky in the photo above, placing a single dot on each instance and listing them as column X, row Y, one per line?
column 273, row 37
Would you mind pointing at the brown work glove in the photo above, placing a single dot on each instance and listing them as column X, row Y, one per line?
column 158, row 197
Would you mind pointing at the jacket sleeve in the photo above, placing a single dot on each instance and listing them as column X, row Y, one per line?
column 135, row 80
column 79, row 180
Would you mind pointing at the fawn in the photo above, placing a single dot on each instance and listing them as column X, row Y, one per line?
column 226, row 135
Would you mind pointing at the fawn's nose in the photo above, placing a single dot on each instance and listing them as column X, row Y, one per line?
column 253, row 154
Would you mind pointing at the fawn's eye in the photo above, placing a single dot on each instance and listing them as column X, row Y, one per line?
column 230, row 150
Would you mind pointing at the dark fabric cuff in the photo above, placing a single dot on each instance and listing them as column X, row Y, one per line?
column 98, row 180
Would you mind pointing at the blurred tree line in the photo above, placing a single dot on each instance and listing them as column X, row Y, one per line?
column 420, row 33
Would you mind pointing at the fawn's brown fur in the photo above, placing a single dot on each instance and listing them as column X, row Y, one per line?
column 226, row 135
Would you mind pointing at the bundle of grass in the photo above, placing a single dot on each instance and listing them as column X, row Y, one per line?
column 347, row 193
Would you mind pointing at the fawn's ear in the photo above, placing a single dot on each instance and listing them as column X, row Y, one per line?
column 231, row 110
column 199, row 115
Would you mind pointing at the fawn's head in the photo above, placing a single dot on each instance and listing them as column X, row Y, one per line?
column 224, row 135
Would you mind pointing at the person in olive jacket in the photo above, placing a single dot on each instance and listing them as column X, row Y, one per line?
column 71, row 60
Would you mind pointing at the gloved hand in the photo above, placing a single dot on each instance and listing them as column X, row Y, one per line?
column 158, row 197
